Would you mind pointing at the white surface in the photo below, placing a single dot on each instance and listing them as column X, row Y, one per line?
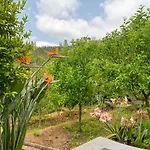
column 101, row 143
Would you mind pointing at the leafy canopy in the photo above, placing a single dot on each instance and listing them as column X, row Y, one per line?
column 12, row 43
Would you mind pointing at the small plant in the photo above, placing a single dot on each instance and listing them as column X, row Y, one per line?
column 36, row 132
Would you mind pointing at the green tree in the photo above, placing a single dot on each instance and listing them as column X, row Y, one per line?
column 12, row 45
column 124, row 59
column 73, row 74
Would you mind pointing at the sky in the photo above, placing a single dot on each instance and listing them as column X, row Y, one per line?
column 53, row 21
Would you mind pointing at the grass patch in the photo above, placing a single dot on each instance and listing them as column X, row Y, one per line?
column 36, row 132
column 91, row 128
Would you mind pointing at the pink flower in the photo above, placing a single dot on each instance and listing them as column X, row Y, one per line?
column 105, row 116
column 102, row 116
column 97, row 112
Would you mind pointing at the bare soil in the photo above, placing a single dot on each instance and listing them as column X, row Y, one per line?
column 56, row 137
column 53, row 134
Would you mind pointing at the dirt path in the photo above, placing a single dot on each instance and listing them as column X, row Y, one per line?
column 56, row 137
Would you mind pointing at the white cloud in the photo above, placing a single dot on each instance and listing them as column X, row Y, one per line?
column 115, row 10
column 44, row 43
column 73, row 28
column 56, row 17
column 58, row 8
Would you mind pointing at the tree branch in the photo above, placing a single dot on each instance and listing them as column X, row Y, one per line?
column 143, row 92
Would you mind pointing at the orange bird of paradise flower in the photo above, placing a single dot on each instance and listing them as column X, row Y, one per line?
column 25, row 60
column 49, row 78
column 53, row 53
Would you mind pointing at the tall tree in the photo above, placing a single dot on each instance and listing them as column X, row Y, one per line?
column 125, row 58
column 73, row 73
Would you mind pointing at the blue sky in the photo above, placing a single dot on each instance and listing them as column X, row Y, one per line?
column 53, row 21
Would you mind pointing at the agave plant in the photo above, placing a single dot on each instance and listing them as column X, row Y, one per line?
column 16, row 112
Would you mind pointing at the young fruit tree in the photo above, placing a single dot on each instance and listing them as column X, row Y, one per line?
column 73, row 74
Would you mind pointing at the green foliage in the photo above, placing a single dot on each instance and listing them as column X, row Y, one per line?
column 17, row 113
column 36, row 132
column 91, row 129
column 129, row 133
column 73, row 72
column 116, row 132
column 75, row 86
column 122, row 66
column 12, row 76
column 12, row 45
column 52, row 101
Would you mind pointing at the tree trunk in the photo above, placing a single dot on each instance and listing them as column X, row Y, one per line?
column 147, row 105
column 146, row 99
column 80, row 113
